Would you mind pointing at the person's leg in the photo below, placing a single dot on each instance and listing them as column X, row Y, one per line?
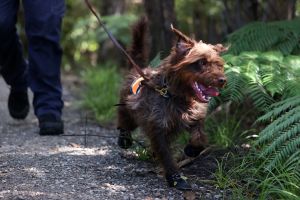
column 12, row 64
column 43, row 26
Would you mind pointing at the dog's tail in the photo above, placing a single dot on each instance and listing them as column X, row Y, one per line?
column 139, row 50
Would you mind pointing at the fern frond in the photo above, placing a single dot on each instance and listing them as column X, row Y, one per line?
column 261, row 77
column 259, row 95
column 234, row 90
column 281, row 123
column 293, row 164
column 280, row 107
column 282, row 154
column 261, row 36
column 283, row 136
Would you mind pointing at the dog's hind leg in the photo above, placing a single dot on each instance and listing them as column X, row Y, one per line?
column 126, row 125
column 198, row 142
column 161, row 148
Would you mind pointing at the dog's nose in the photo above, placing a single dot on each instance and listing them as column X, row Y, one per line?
column 222, row 80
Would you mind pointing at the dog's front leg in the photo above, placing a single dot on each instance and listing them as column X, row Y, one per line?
column 161, row 146
column 197, row 143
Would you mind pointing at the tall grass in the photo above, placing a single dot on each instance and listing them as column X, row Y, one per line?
column 102, row 92
column 248, row 178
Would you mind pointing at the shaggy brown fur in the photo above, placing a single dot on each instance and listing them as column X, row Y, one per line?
column 191, row 74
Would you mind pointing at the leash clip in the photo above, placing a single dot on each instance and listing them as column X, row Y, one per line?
column 163, row 92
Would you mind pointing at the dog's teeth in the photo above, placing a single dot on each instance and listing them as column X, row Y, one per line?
column 207, row 97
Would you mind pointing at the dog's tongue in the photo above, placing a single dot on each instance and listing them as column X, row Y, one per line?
column 211, row 91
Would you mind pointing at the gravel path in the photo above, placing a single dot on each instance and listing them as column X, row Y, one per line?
column 81, row 167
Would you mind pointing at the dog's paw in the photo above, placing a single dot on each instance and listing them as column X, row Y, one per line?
column 191, row 151
column 125, row 140
column 178, row 181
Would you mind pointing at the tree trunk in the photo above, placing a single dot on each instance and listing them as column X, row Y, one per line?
column 291, row 9
column 161, row 15
column 279, row 10
column 112, row 7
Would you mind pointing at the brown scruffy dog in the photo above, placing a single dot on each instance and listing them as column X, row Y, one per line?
column 173, row 98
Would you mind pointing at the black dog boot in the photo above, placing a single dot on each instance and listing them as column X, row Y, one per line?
column 191, row 151
column 178, row 181
column 125, row 139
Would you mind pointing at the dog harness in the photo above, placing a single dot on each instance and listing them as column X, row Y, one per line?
column 137, row 85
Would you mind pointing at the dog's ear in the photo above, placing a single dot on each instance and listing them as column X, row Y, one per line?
column 183, row 43
column 220, row 48
column 182, row 48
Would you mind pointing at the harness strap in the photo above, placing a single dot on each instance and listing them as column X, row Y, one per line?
column 137, row 85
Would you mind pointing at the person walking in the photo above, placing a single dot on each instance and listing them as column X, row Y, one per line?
column 43, row 19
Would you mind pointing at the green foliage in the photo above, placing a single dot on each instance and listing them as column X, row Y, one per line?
column 283, row 36
column 270, row 81
column 85, row 35
column 248, row 178
column 142, row 153
column 101, row 94
column 227, row 178
column 186, row 9
column 155, row 61
column 280, row 140
column 262, row 77
column 119, row 26
column 225, row 132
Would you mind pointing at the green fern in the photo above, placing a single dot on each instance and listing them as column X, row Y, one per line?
column 262, row 77
column 281, row 107
column 260, row 68
column 283, row 36
column 281, row 138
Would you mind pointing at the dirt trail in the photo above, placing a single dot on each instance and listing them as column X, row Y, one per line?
column 77, row 167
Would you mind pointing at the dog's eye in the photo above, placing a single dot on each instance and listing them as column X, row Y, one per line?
column 202, row 62
column 198, row 65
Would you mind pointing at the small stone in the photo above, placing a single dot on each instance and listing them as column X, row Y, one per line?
column 126, row 197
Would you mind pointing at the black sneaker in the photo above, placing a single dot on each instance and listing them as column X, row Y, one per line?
column 125, row 139
column 178, row 181
column 50, row 125
column 18, row 104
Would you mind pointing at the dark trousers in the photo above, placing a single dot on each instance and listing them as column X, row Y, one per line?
column 42, row 71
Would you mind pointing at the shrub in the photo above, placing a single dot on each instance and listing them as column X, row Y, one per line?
column 102, row 92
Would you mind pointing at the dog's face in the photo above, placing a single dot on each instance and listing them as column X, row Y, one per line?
column 199, row 67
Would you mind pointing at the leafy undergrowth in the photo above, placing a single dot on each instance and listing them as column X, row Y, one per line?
column 246, row 177
column 102, row 92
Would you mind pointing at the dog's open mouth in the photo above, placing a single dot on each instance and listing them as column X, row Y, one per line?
column 204, row 93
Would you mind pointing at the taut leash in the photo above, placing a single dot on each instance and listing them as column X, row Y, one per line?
column 116, row 43
column 163, row 91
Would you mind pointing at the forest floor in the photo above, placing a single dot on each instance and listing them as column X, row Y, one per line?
column 84, row 163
